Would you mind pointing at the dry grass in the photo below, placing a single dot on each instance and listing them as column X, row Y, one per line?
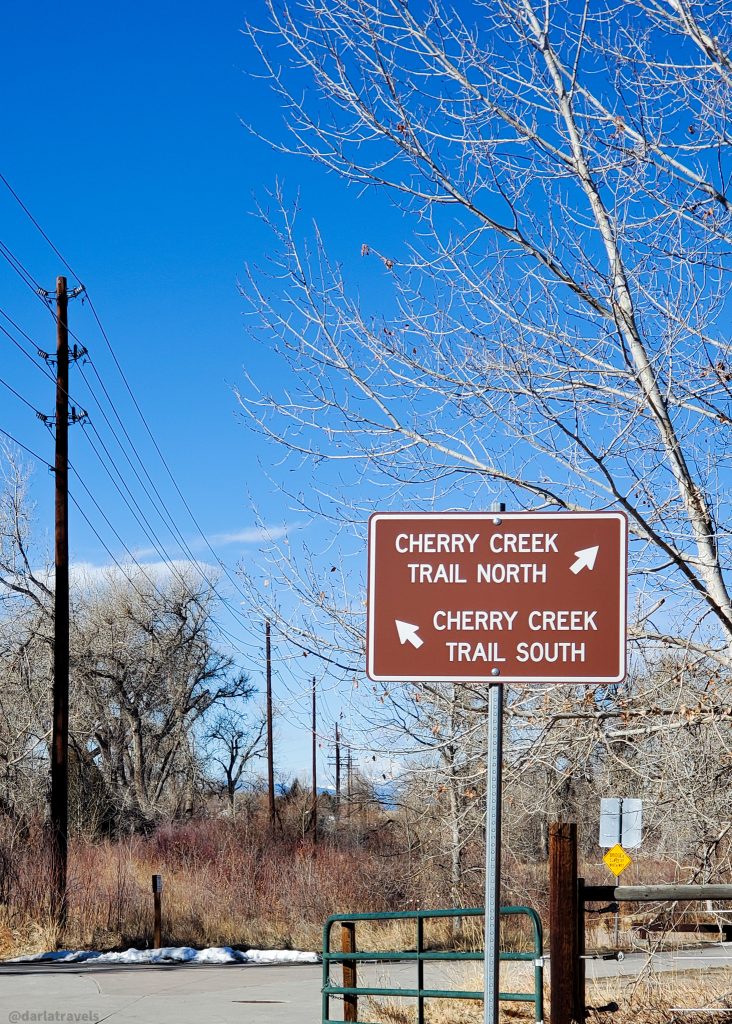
column 228, row 882
column 465, row 933
column 692, row 997
column 459, row 933
column 514, row 978
column 225, row 883
column 665, row 996
column 600, row 933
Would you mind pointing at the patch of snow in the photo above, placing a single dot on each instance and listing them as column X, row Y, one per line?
column 279, row 956
column 174, row 954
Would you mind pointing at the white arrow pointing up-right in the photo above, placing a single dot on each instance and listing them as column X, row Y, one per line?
column 408, row 633
column 585, row 559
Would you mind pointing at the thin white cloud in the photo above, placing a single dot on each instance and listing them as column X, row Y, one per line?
column 381, row 768
column 249, row 535
column 86, row 573
column 253, row 534
column 138, row 553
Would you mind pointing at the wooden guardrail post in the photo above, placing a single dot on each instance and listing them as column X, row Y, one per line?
column 563, row 925
column 579, row 971
column 350, row 974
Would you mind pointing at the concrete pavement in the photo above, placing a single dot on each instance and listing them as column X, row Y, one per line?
column 160, row 994
column 234, row 993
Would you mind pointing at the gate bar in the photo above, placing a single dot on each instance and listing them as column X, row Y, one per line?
column 350, row 957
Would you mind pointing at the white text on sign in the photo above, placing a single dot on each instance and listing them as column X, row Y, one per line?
column 541, row 651
column 460, row 543
column 500, row 572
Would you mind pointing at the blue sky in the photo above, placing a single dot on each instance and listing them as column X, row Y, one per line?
column 121, row 132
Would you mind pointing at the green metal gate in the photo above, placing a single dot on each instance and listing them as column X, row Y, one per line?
column 420, row 956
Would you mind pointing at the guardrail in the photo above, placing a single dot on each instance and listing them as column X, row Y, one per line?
column 568, row 896
column 348, row 957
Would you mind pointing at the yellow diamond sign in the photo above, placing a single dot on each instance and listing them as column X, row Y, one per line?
column 617, row 859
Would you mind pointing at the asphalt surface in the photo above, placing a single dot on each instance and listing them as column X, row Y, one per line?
column 236, row 993
column 160, row 994
column 704, row 958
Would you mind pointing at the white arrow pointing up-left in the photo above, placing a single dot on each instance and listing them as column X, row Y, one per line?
column 585, row 559
column 408, row 633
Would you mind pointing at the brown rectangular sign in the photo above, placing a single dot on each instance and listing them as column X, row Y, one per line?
column 497, row 597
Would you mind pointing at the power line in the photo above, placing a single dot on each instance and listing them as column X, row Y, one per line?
column 27, row 277
column 170, row 523
column 162, row 510
column 156, row 542
column 107, row 520
column 233, row 641
column 5, row 433
column 25, row 401
column 18, row 266
column 176, row 530
column 40, row 292
column 44, row 355
column 35, row 223
column 148, row 530
column 125, row 572
column 143, row 522
column 22, row 271
column 25, row 352
column 25, row 448
column 19, row 329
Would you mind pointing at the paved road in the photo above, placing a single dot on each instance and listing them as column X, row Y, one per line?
column 227, row 994
column 718, row 956
column 154, row 994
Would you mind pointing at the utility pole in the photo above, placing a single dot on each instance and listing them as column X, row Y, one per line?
column 60, row 738
column 270, row 750
column 315, row 773
column 349, row 780
column 338, row 767
column 60, row 729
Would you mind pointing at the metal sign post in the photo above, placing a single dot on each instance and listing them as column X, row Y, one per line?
column 621, row 828
column 497, row 598
column 494, row 787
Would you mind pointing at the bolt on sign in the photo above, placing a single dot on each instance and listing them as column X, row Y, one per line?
column 617, row 859
column 497, row 597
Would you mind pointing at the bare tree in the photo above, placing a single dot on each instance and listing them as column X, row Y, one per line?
column 236, row 740
column 21, row 583
column 441, row 784
column 26, row 639
column 147, row 681
column 146, row 676
column 551, row 332
column 549, row 329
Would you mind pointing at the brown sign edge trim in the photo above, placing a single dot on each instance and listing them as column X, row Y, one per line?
column 500, row 680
